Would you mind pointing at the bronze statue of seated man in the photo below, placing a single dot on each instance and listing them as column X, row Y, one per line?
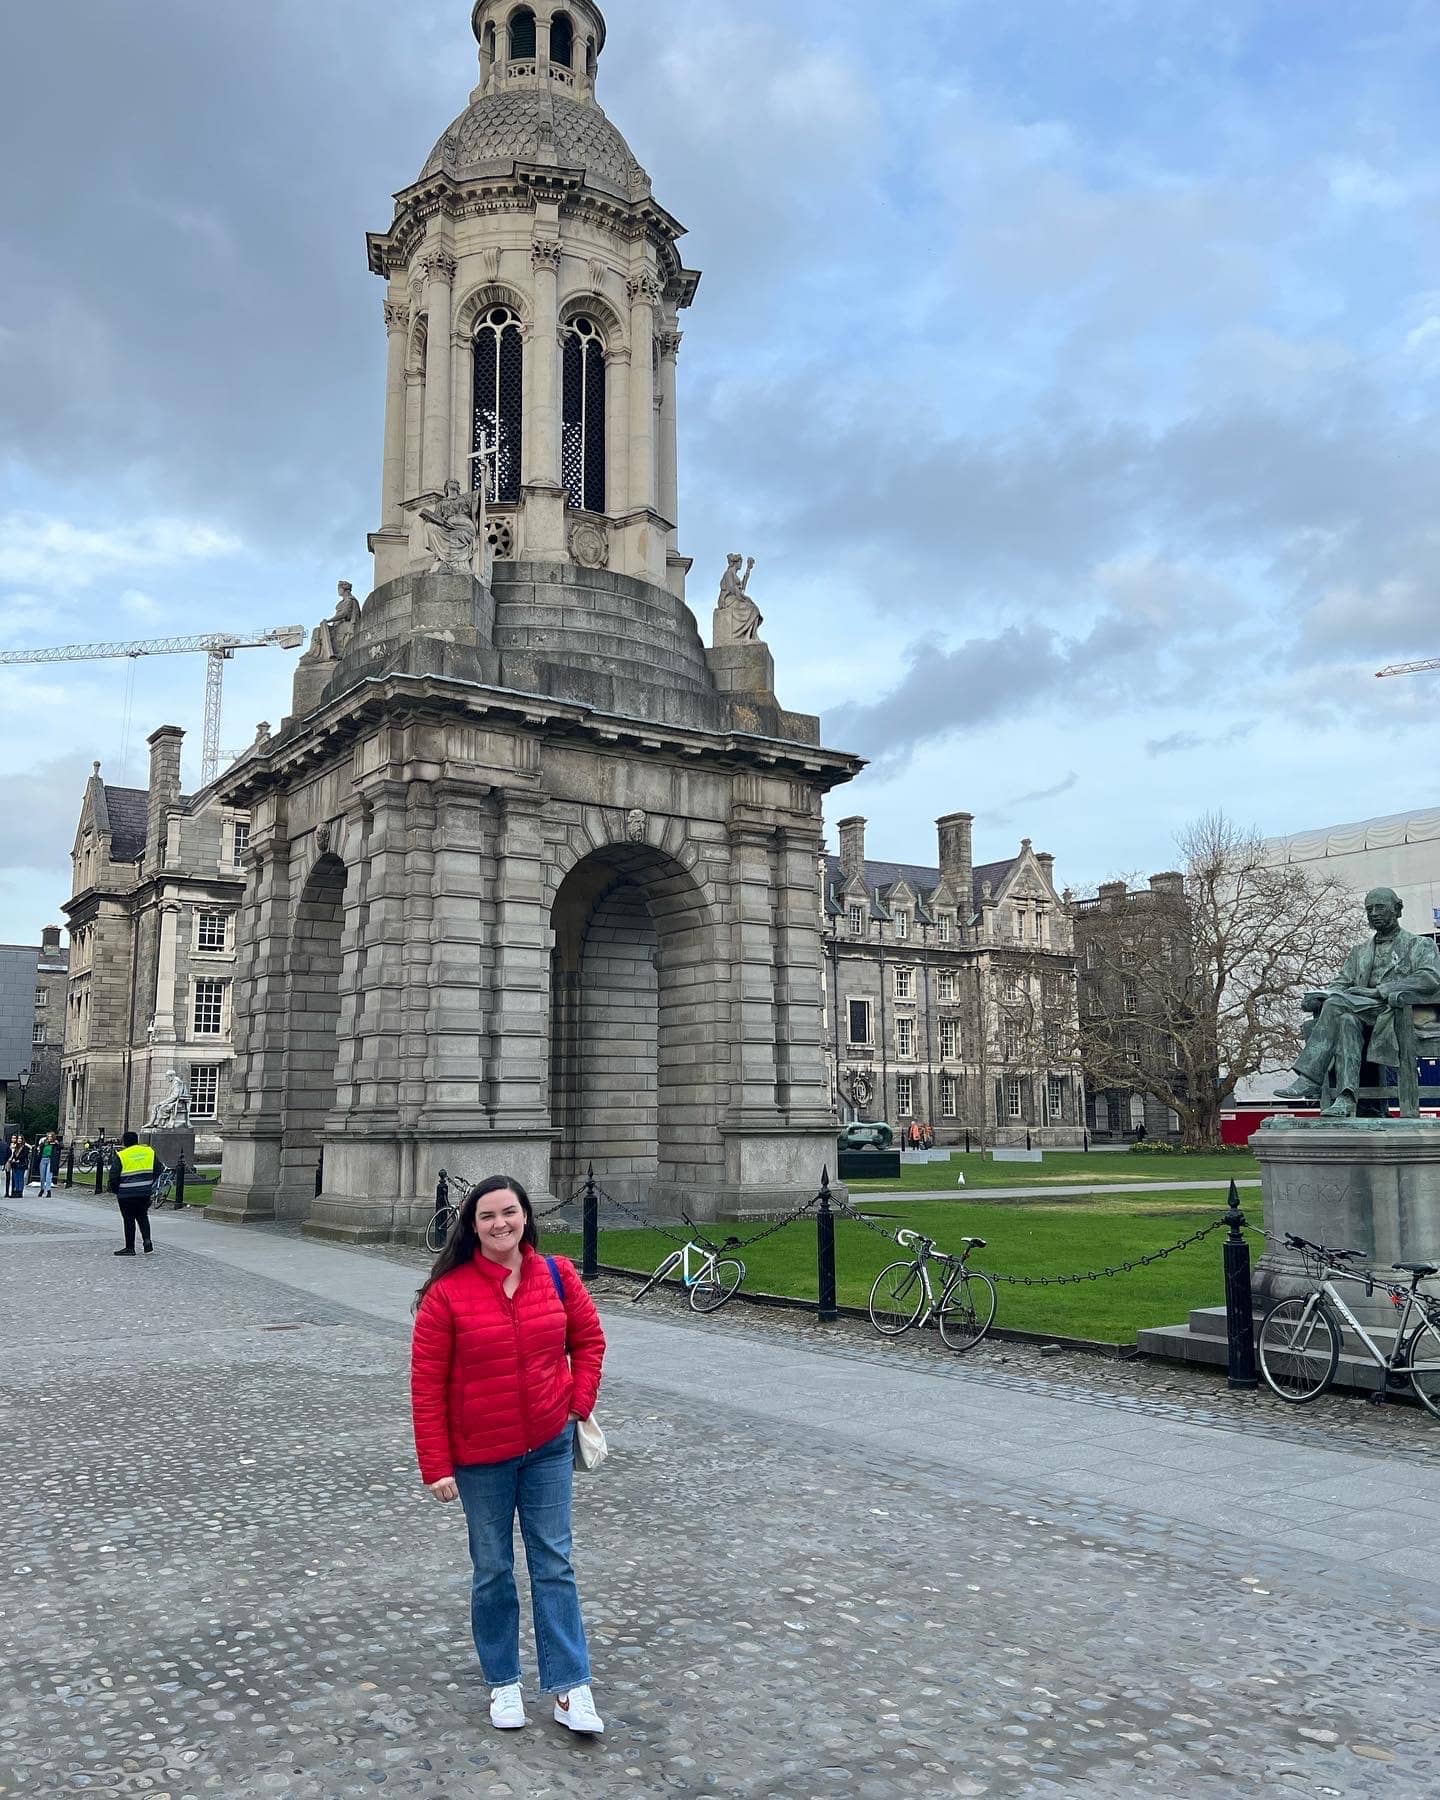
column 1355, row 1018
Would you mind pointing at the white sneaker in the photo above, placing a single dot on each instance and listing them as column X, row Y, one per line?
column 507, row 1709
column 580, row 1713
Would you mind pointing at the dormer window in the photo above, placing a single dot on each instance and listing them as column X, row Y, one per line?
column 856, row 920
column 902, row 923
column 943, row 927
column 522, row 35
column 562, row 41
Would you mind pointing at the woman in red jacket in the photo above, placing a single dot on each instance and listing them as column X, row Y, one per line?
column 506, row 1356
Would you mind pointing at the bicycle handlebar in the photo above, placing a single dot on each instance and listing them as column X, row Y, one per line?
column 1321, row 1250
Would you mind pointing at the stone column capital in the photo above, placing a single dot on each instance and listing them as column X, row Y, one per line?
column 545, row 253
column 643, row 290
column 670, row 342
column 443, row 267
column 397, row 316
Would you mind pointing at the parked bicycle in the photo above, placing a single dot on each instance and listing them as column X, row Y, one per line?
column 437, row 1227
column 97, row 1151
column 710, row 1275
column 903, row 1295
column 1299, row 1343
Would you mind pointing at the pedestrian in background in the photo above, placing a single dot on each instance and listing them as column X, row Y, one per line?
column 133, row 1172
column 17, row 1166
column 506, row 1357
column 49, row 1153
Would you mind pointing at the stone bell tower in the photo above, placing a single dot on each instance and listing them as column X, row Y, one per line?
column 533, row 292
column 531, row 881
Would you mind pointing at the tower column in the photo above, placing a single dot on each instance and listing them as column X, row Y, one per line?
column 644, row 292
column 669, row 440
column 439, row 279
column 617, row 431
column 397, row 327
column 543, row 437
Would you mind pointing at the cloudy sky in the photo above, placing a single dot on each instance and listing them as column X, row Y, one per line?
column 1070, row 368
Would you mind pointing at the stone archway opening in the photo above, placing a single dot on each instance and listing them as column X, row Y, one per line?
column 639, row 1039
column 311, row 1039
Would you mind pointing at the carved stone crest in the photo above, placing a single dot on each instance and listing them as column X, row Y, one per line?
column 589, row 545
column 322, row 840
column 635, row 825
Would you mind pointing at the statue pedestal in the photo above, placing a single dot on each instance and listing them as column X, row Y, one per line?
column 743, row 669
column 171, row 1144
column 1371, row 1185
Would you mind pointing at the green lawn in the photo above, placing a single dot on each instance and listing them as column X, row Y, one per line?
column 199, row 1190
column 1064, row 1168
column 1029, row 1240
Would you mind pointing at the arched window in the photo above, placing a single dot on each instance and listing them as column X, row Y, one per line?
column 562, row 40
column 582, row 449
column 590, row 57
column 499, row 402
column 522, row 35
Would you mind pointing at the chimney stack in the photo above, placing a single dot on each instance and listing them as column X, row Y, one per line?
column 852, row 850
column 1112, row 894
column 50, row 941
column 164, row 787
column 957, row 855
column 1171, row 884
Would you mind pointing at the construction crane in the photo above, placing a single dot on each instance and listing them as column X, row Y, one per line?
column 1415, row 668
column 219, row 646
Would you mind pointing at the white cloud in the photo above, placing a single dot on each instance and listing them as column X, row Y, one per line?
column 55, row 553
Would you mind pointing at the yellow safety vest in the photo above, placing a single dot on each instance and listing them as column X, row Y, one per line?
column 139, row 1159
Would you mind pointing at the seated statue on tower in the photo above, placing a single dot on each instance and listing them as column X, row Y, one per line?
column 737, row 618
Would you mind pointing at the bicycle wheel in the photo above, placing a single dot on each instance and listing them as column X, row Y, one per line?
column 715, row 1287
column 1422, row 1356
column 897, row 1298
column 1299, row 1349
column 666, row 1268
column 438, row 1229
column 968, row 1310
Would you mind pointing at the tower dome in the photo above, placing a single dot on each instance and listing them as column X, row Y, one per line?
column 533, row 296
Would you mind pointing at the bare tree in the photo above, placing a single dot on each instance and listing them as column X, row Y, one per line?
column 1193, row 984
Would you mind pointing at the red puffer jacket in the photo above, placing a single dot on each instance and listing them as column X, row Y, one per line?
column 489, row 1376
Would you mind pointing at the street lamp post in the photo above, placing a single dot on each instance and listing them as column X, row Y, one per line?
column 23, row 1080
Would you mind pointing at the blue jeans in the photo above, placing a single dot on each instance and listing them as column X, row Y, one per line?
column 539, row 1487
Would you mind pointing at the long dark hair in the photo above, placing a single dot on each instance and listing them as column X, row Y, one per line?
column 463, row 1243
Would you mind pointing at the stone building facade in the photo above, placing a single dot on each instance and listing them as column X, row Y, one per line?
column 47, row 1036
column 531, row 878
column 1131, row 947
column 950, row 992
column 157, row 880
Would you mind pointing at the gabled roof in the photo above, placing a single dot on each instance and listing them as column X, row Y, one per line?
column 881, row 878
column 128, row 809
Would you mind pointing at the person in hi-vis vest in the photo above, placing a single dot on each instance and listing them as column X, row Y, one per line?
column 133, row 1170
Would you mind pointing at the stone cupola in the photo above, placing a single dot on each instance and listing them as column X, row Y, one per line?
column 533, row 294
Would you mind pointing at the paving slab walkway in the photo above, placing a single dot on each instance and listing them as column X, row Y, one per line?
column 809, row 1570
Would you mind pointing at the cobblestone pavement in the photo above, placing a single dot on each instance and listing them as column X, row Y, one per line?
column 219, row 1575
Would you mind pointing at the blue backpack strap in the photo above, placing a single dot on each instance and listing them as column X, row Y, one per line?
column 557, row 1278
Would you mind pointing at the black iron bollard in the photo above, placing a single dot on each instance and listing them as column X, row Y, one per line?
column 100, row 1160
column 320, row 1173
column 442, row 1193
column 825, row 1247
column 967, row 1140
column 70, row 1167
column 180, row 1185
column 590, row 1217
column 1239, row 1298
column 1087, row 1143
column 1027, row 1140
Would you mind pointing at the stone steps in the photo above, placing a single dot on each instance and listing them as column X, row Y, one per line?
column 1202, row 1339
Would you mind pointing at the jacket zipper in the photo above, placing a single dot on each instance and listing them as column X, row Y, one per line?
column 520, row 1381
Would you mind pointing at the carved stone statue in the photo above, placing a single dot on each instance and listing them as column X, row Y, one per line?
column 331, row 637
column 172, row 1109
column 1355, row 1018
column 635, row 825
column 456, row 531
column 737, row 618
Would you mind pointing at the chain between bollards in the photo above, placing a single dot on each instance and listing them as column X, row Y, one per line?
column 1239, row 1298
column 590, row 1226
column 828, row 1311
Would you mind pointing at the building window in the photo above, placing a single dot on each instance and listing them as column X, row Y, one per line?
column 902, row 924
column 1131, row 997
column 522, row 36
column 1057, row 1099
column 949, row 1097
column 562, row 40
column 210, row 931
column 859, row 1021
column 1011, row 989
column 905, row 1096
column 1014, row 1098
column 943, row 928
column 1132, row 1047
column 904, row 984
column 499, row 400
column 904, row 1037
column 582, row 447
column 239, row 841
column 948, row 987
column 1038, row 918
column 42, row 997
column 1012, row 1041
column 204, row 1090
column 37, row 1036
column 949, row 1039
column 857, row 921
column 209, row 1002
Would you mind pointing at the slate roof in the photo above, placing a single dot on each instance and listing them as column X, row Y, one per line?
column 127, row 808
column 882, row 877
column 521, row 125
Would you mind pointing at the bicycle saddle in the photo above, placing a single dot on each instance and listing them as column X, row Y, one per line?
column 1420, row 1269
column 974, row 1243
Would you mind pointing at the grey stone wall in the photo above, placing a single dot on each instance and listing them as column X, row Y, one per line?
column 18, row 966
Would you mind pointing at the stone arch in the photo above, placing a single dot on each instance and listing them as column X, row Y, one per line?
column 487, row 294
column 311, row 1035
column 590, row 304
column 640, row 1013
